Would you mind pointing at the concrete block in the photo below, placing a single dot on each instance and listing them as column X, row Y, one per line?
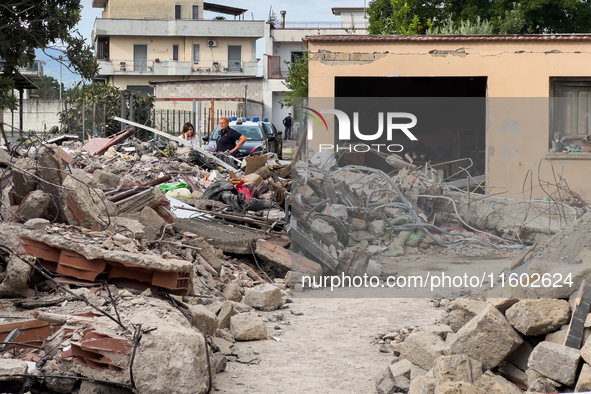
column 248, row 327
column 457, row 368
column 203, row 319
column 34, row 205
column 584, row 381
column 496, row 384
column 423, row 348
column 265, row 297
column 538, row 316
column 488, row 338
column 556, row 362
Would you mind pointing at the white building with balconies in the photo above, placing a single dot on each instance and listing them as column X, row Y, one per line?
column 140, row 41
column 283, row 45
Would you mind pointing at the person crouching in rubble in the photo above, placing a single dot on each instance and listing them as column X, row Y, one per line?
column 188, row 133
column 228, row 137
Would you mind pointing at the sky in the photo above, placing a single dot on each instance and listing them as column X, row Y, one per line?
column 297, row 11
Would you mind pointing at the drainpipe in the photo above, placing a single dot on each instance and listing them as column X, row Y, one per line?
column 283, row 18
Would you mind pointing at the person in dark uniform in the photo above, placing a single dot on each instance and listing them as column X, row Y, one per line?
column 287, row 124
column 228, row 137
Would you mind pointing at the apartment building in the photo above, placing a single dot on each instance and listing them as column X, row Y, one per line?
column 283, row 43
column 137, row 42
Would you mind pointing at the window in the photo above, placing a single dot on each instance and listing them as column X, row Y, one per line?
column 175, row 52
column 570, row 109
column 195, row 53
column 177, row 11
column 140, row 57
column 295, row 56
column 234, row 58
column 195, row 12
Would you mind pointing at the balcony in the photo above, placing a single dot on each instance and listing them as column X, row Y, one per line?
column 180, row 28
column 175, row 68
column 33, row 72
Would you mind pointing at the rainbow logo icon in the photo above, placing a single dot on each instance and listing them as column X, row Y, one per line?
column 316, row 119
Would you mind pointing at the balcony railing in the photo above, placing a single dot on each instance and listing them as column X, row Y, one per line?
column 174, row 67
column 326, row 25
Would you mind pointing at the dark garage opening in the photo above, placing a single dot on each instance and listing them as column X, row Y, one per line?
column 451, row 113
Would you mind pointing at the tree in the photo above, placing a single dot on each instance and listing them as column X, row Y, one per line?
column 479, row 16
column 96, row 103
column 49, row 88
column 296, row 80
column 26, row 25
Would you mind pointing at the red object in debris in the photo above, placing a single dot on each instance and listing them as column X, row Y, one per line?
column 100, row 145
column 243, row 190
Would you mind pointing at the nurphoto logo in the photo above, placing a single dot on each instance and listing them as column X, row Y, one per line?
column 344, row 129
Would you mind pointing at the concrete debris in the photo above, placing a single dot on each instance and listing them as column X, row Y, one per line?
column 488, row 338
column 15, row 283
column 537, row 317
column 556, row 362
column 423, row 349
column 265, row 297
column 248, row 327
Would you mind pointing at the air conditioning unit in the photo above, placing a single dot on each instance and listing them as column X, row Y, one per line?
column 212, row 43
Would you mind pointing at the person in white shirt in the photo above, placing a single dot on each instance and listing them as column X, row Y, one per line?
column 188, row 133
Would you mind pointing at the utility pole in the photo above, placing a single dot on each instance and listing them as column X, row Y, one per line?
column 61, row 59
column 245, row 94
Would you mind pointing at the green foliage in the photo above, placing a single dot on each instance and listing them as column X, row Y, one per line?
column 49, row 88
column 26, row 25
column 296, row 81
column 463, row 27
column 98, row 102
column 7, row 100
column 479, row 17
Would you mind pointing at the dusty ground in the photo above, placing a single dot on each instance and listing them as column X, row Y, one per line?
column 331, row 348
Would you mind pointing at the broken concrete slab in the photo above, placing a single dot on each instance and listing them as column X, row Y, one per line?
column 462, row 311
column 395, row 378
column 584, row 380
column 23, row 177
column 110, row 181
column 248, row 327
column 266, row 297
column 422, row 385
column 228, row 310
column 152, row 222
column 203, row 319
column 543, row 385
column 50, row 168
column 219, row 362
column 423, row 348
column 458, row 388
column 224, row 346
column 440, row 330
column 171, row 359
column 36, row 224
column 456, row 368
column 11, row 367
column 232, row 292
column 496, row 384
column 15, row 283
column 556, row 362
column 127, row 225
column 34, row 205
column 509, row 369
column 538, row 317
column 488, row 338
column 273, row 254
column 80, row 205
column 502, row 304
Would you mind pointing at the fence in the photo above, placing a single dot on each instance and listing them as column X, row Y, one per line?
column 172, row 121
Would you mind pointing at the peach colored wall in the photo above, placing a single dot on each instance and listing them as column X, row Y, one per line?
column 517, row 131
column 151, row 9
column 121, row 48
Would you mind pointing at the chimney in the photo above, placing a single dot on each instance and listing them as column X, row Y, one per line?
column 283, row 18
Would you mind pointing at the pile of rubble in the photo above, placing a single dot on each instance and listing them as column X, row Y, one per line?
column 530, row 337
column 129, row 266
